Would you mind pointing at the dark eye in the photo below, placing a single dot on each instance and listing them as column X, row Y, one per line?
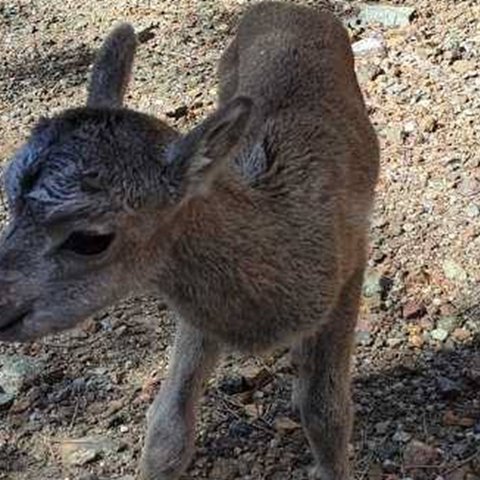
column 87, row 243
column 29, row 180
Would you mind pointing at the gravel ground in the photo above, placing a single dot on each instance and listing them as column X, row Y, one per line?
column 78, row 410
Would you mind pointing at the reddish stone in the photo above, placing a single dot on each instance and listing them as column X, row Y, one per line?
column 413, row 309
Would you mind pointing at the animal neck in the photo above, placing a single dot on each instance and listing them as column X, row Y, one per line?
column 220, row 220
column 217, row 240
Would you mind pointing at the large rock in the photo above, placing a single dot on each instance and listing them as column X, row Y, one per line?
column 418, row 454
column 386, row 15
column 80, row 451
column 454, row 271
column 374, row 45
column 15, row 372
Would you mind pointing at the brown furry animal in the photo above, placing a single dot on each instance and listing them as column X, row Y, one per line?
column 253, row 225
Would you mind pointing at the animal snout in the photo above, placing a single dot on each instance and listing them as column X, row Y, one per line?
column 9, row 280
column 12, row 306
column 10, row 276
column 10, row 314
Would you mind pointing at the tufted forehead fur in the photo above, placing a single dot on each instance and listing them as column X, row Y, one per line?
column 90, row 160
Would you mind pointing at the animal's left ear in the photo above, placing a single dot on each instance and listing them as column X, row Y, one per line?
column 196, row 159
column 112, row 68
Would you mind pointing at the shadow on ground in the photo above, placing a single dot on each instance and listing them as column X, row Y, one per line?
column 60, row 68
column 428, row 396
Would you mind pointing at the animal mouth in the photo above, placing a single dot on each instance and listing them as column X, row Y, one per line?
column 14, row 321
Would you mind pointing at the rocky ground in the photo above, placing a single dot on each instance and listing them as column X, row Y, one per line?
column 72, row 406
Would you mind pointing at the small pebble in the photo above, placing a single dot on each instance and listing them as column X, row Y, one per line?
column 439, row 334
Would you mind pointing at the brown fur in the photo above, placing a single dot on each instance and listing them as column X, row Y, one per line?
column 253, row 225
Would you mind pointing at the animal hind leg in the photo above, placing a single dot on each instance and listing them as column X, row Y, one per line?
column 228, row 73
column 322, row 389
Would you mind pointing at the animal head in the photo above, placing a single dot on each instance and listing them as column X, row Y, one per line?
column 92, row 195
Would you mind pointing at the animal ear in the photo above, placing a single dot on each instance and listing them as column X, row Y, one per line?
column 112, row 68
column 196, row 159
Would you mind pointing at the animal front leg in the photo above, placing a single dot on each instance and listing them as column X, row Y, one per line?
column 171, row 418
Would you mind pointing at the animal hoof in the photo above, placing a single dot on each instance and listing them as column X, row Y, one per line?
column 317, row 472
column 163, row 464
column 168, row 449
column 314, row 473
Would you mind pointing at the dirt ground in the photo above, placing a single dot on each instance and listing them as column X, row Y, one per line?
column 417, row 365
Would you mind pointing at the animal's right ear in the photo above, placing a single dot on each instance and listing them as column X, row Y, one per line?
column 195, row 160
column 112, row 68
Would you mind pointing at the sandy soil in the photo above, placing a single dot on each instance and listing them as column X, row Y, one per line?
column 417, row 367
